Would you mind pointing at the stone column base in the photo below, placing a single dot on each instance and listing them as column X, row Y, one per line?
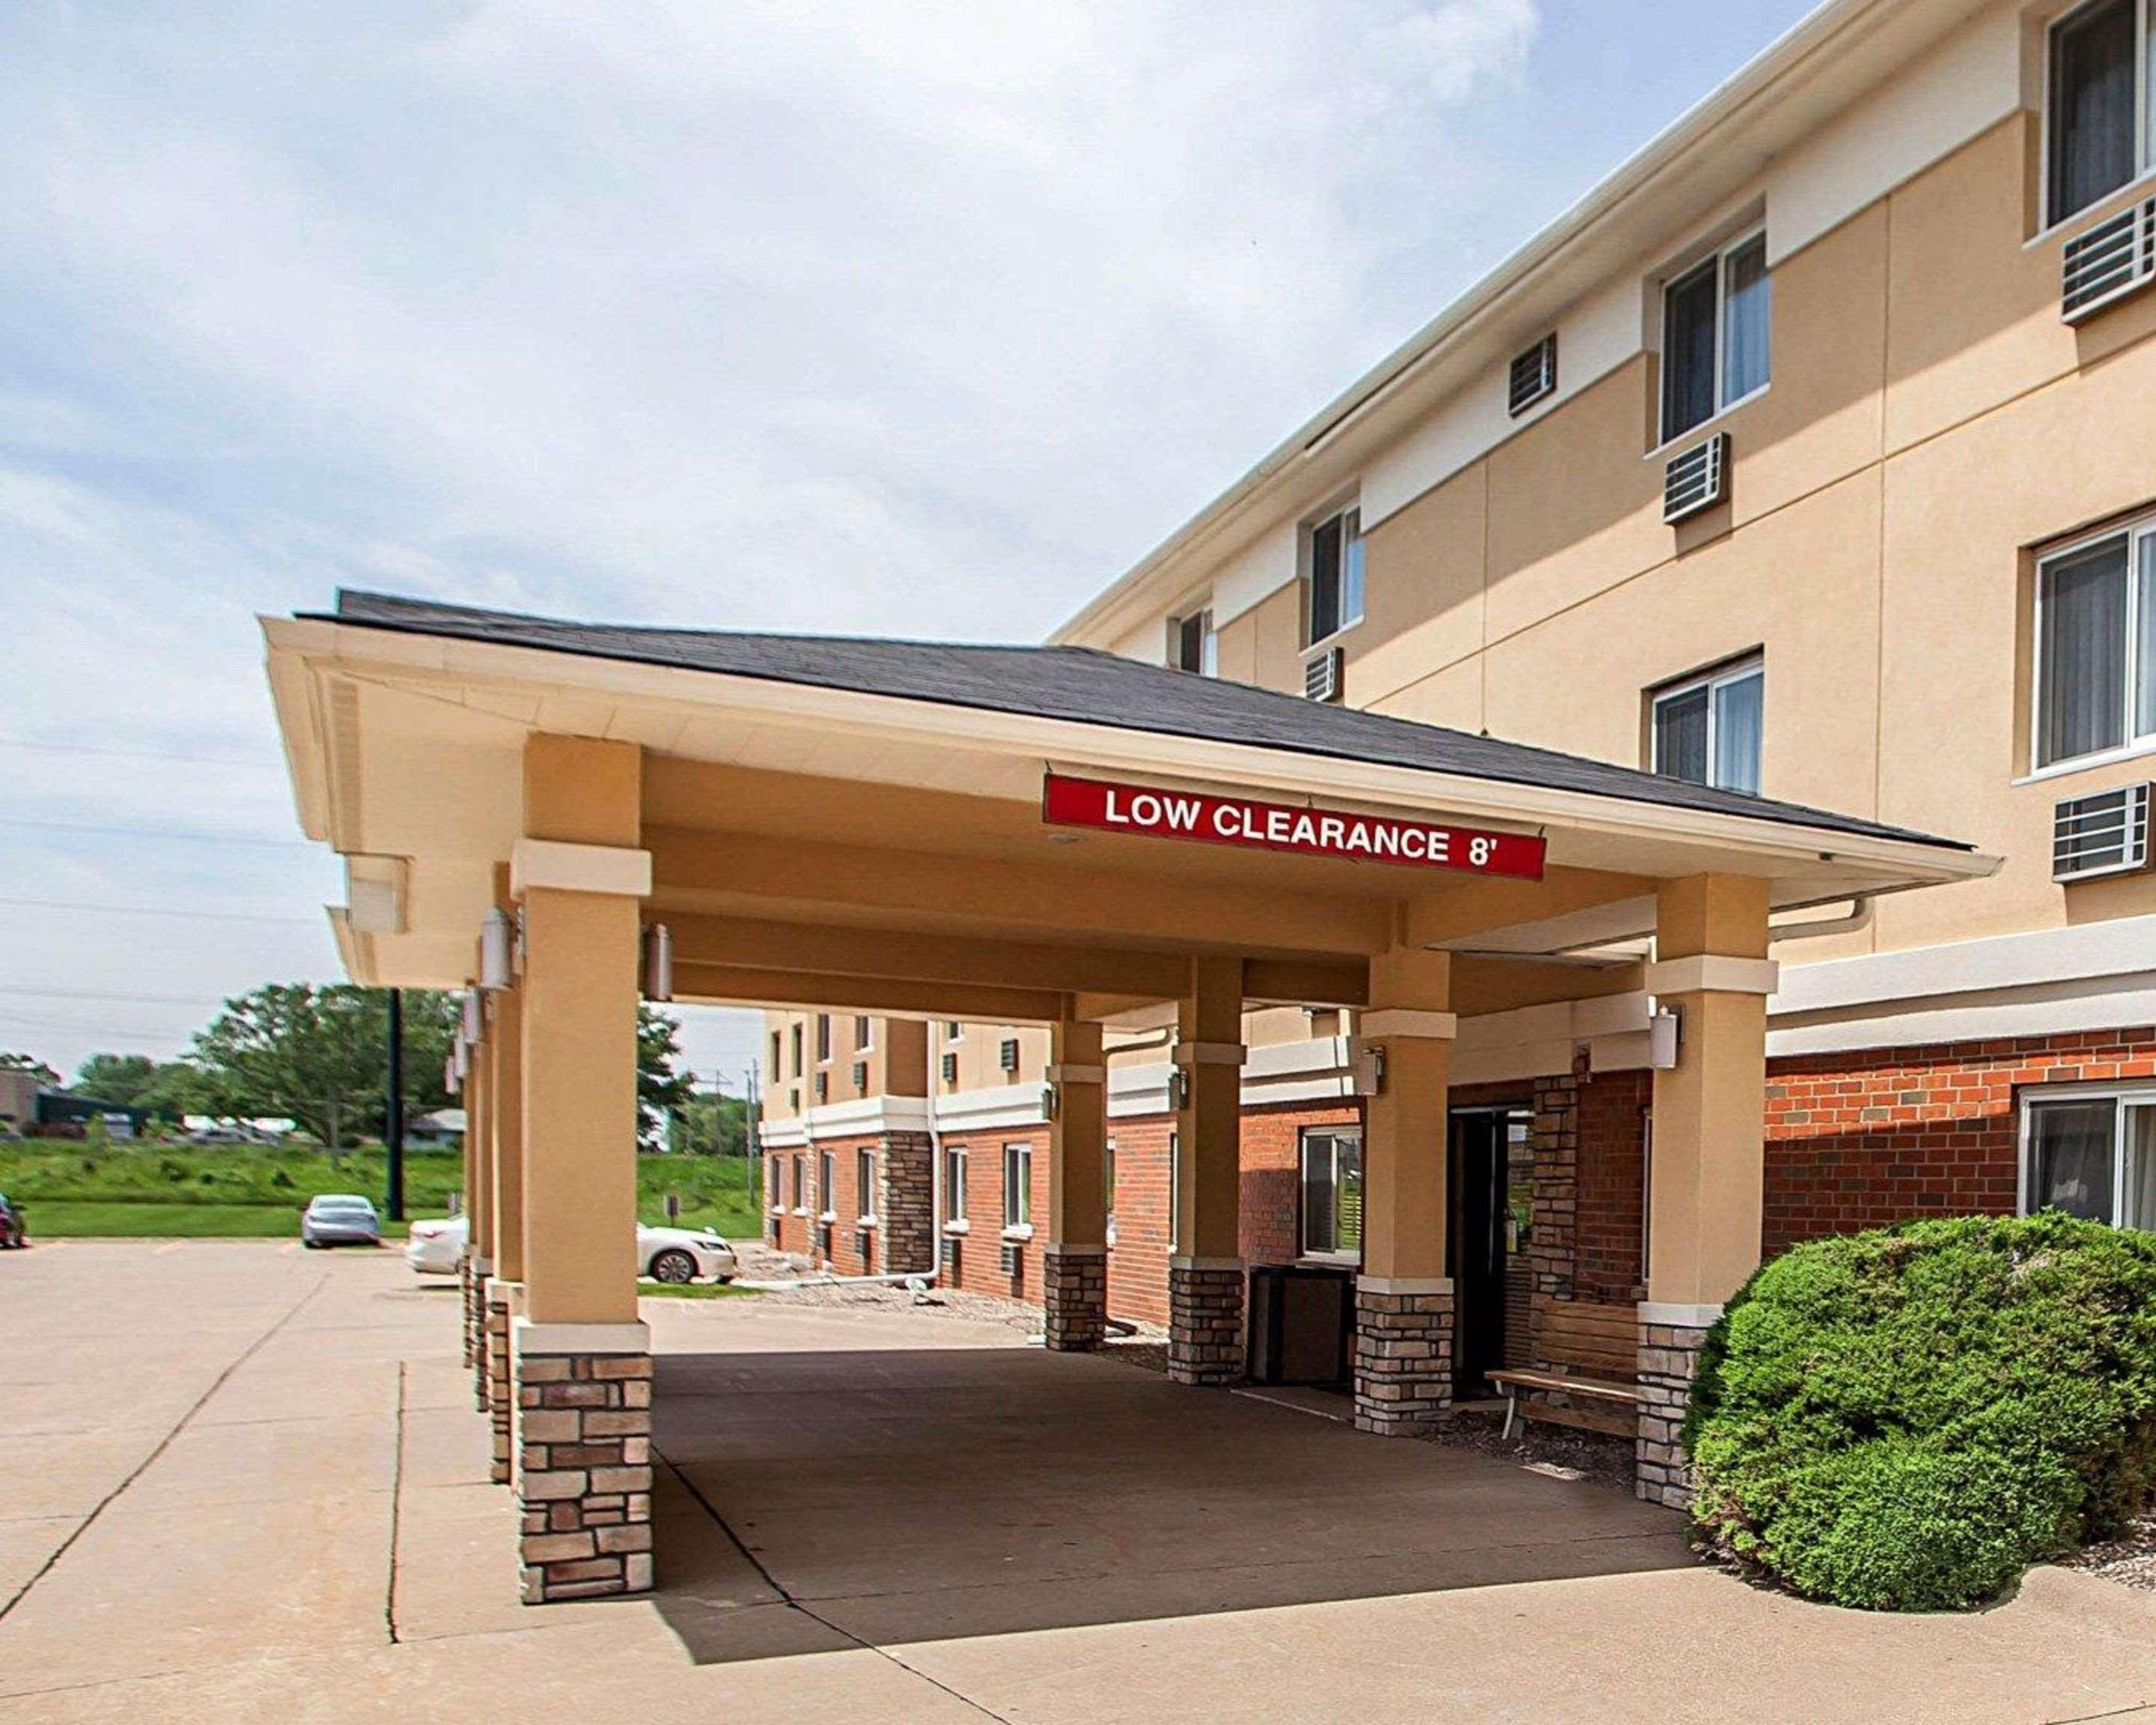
column 1403, row 1355
column 1075, row 1298
column 583, row 1431
column 1671, row 1340
column 502, row 1298
column 465, row 1303
column 479, row 1269
column 1206, row 1320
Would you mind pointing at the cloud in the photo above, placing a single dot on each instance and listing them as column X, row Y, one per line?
column 924, row 318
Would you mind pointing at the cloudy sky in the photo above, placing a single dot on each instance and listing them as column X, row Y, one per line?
column 914, row 317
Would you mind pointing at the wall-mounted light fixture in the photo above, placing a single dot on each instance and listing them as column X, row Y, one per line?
column 1178, row 1088
column 495, row 939
column 1366, row 1064
column 474, row 1025
column 659, row 962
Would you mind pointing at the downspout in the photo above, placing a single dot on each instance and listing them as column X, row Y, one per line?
column 1861, row 909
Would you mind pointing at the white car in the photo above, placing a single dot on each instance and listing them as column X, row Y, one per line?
column 670, row 1254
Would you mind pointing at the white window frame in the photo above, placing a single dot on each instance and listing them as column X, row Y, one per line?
column 1208, row 640
column 864, row 1169
column 1718, row 259
column 1018, row 1159
column 954, row 1173
column 1108, row 1183
column 864, row 1034
column 1335, row 1133
column 1311, row 640
column 2124, row 1096
column 827, row 1180
column 2145, row 132
column 954, row 1030
column 800, row 1185
column 2134, row 531
column 1753, row 665
column 823, row 1038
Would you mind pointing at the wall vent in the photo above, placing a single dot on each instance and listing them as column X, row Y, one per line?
column 1011, row 1259
column 1323, row 677
column 2112, row 260
column 2104, row 833
column 1008, row 1054
column 861, row 1075
column 1533, row 376
column 1697, row 479
column 950, row 1068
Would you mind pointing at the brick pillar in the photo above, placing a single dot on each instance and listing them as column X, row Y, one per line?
column 583, row 1481
column 1670, row 1338
column 481, row 1272
column 464, row 1306
column 501, row 1309
column 1553, row 1219
column 1205, row 1320
column 905, row 1203
column 1075, row 1298
column 1403, row 1355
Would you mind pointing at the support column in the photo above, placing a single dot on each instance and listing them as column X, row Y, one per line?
column 579, row 1358
column 478, row 1208
column 1404, row 1299
column 1074, row 1281
column 505, row 1288
column 1205, row 1280
column 1706, row 1174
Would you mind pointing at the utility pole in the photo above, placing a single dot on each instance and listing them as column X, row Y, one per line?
column 749, row 1133
column 392, row 1139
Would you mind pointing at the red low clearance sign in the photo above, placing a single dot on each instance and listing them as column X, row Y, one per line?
column 1281, row 826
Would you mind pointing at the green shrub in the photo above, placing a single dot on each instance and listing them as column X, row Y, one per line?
column 1905, row 1419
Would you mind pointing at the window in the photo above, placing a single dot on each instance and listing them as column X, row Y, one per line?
column 2096, row 133
column 822, row 1037
column 1192, row 645
column 797, row 1050
column 827, row 1184
column 1018, row 1185
column 771, row 1184
column 799, row 1202
column 1715, row 323
column 954, row 1031
column 863, row 1035
column 1335, row 574
column 954, row 1184
column 2091, row 1156
column 1108, row 1185
column 1705, row 730
column 1332, row 1194
column 2096, row 647
column 864, row 1184
column 861, row 1077
column 776, row 1069
column 823, row 1086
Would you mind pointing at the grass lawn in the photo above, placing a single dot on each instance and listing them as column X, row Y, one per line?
column 692, row 1291
column 243, row 1190
column 62, row 1218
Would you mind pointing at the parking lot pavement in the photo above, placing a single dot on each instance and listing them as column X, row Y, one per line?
column 242, row 1481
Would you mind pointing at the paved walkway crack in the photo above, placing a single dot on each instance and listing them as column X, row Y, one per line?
column 163, row 1443
column 787, row 1598
column 396, row 1511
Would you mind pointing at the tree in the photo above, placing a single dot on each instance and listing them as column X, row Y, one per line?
column 320, row 1057
column 660, row 1088
column 31, row 1064
column 115, row 1078
column 713, row 1124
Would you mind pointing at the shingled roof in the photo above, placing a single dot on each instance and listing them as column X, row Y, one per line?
column 1084, row 685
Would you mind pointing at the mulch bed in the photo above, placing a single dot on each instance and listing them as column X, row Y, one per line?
column 2131, row 1561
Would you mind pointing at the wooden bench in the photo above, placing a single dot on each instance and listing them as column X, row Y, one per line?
column 1592, row 1355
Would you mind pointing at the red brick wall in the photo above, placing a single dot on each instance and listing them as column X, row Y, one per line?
column 1271, row 1187
column 1612, row 1171
column 1138, row 1262
column 1865, row 1139
column 980, row 1258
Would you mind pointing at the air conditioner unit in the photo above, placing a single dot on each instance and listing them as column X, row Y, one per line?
column 1696, row 480
column 1008, row 1054
column 1533, row 376
column 2103, row 833
column 1324, row 675
column 2108, row 262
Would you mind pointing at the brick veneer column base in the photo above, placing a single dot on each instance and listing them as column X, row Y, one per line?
column 905, row 1203
column 1205, row 1320
column 479, row 1269
column 500, row 1308
column 1075, row 1298
column 1403, row 1356
column 584, row 1484
column 1669, row 1361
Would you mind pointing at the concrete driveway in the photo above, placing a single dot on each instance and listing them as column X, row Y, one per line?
column 241, row 1482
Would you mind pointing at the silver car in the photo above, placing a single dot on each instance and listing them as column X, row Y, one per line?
column 339, row 1219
